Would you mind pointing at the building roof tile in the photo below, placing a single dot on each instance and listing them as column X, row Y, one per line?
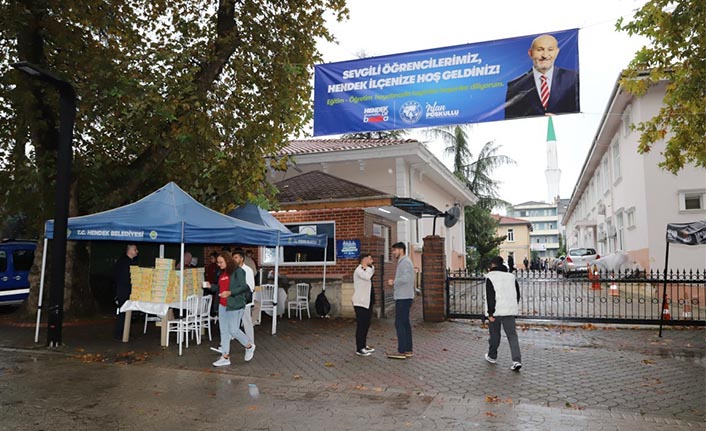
column 311, row 146
column 318, row 186
column 510, row 220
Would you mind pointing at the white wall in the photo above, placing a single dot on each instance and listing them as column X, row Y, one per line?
column 646, row 188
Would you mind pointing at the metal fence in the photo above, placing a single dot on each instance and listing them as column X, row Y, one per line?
column 604, row 297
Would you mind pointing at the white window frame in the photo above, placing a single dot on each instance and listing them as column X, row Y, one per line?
column 627, row 120
column 620, row 230
column 606, row 174
column 630, row 220
column 615, row 154
column 267, row 254
column 700, row 194
column 510, row 234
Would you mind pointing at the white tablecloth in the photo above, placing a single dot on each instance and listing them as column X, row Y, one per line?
column 156, row 308
column 281, row 301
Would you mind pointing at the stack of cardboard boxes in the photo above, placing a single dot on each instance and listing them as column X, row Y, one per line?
column 161, row 283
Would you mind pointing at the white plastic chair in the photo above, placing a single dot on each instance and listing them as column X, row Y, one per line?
column 205, row 315
column 267, row 299
column 301, row 302
column 150, row 318
column 184, row 325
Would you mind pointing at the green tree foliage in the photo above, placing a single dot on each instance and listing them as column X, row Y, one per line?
column 476, row 174
column 481, row 230
column 193, row 91
column 379, row 134
column 677, row 54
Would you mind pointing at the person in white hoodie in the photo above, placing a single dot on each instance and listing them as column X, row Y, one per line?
column 502, row 298
column 361, row 303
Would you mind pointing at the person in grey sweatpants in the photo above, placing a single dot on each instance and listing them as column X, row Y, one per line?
column 502, row 298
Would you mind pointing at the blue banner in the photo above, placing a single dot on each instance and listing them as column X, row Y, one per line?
column 487, row 81
column 347, row 248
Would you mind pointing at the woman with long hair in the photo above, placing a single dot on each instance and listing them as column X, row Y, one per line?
column 231, row 289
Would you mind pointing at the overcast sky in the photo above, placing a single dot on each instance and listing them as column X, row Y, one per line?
column 394, row 26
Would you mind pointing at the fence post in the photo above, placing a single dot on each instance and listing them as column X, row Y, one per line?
column 433, row 279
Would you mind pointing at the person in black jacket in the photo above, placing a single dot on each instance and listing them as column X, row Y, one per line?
column 123, row 286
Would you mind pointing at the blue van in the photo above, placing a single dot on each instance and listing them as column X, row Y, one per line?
column 16, row 258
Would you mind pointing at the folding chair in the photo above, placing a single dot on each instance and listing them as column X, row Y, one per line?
column 205, row 315
column 183, row 326
column 267, row 301
column 301, row 302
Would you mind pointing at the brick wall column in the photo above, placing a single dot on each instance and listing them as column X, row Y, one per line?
column 434, row 279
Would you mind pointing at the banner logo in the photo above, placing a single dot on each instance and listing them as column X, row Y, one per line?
column 376, row 115
column 439, row 111
column 410, row 112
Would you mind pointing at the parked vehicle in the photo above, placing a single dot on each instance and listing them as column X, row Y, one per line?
column 16, row 258
column 578, row 259
column 558, row 264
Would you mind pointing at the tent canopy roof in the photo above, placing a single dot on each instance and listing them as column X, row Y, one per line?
column 168, row 215
column 256, row 215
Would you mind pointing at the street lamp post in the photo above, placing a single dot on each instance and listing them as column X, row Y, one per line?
column 67, row 115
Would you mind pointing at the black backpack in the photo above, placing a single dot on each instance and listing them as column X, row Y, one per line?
column 322, row 306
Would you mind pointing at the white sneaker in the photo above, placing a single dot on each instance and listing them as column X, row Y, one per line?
column 217, row 349
column 368, row 349
column 363, row 352
column 489, row 359
column 515, row 366
column 249, row 353
column 222, row 362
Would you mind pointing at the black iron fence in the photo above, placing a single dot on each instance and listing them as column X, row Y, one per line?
column 607, row 297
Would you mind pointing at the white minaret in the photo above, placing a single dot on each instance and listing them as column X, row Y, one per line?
column 552, row 173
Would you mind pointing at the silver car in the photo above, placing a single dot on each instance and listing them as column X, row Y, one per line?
column 578, row 259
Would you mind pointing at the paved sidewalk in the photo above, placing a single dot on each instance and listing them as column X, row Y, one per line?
column 308, row 378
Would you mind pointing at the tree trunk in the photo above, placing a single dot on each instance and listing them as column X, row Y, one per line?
column 28, row 310
column 78, row 299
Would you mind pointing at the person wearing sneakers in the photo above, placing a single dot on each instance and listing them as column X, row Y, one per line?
column 231, row 290
column 361, row 303
column 502, row 298
column 240, row 261
column 403, row 293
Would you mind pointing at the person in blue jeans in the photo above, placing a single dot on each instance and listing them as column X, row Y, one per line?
column 231, row 289
column 403, row 294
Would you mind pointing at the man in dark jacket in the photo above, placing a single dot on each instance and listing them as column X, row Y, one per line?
column 123, row 286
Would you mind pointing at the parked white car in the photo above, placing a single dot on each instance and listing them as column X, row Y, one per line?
column 578, row 259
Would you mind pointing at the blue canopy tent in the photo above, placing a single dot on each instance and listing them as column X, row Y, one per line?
column 168, row 215
column 256, row 215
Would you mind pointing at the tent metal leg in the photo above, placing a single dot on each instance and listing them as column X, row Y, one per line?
column 41, row 290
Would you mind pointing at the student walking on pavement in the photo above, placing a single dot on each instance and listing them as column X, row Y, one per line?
column 502, row 298
column 403, row 294
column 362, row 303
column 231, row 290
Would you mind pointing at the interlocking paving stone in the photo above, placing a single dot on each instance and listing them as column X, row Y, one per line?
column 572, row 378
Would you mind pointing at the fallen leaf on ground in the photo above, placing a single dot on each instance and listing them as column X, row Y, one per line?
column 296, row 377
column 329, row 364
column 491, row 414
column 648, row 361
column 252, row 408
column 495, row 399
